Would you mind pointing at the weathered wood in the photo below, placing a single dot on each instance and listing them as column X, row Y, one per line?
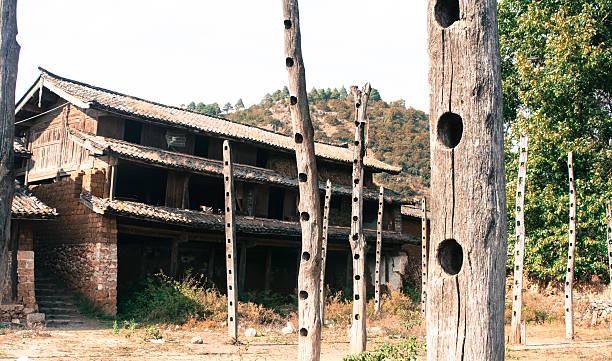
column 356, row 239
column 467, row 254
column 424, row 254
column 328, row 195
column 519, row 245
column 113, row 181
column 242, row 267
column 9, row 56
column 230, row 245
column 379, row 229
column 609, row 240
column 309, row 278
column 569, row 278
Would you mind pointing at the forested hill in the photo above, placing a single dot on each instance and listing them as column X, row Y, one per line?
column 397, row 135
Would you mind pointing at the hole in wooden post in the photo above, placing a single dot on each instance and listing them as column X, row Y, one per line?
column 287, row 24
column 293, row 100
column 357, row 316
column 302, row 177
column 355, row 218
column 355, row 237
column 303, row 295
column 355, row 199
column 225, row 147
column 450, row 256
column 229, row 287
column 229, row 240
column 357, row 277
column 446, row 12
column 231, row 319
column 231, row 303
column 304, row 216
column 305, row 256
column 356, row 256
column 303, row 332
column 356, row 143
column 450, row 129
column 229, row 225
column 289, row 62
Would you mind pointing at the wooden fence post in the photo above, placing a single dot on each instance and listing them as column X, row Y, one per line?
column 569, row 279
column 424, row 255
column 309, row 277
column 379, row 230
column 230, row 245
column 467, row 256
column 328, row 195
column 356, row 238
column 609, row 240
column 519, row 245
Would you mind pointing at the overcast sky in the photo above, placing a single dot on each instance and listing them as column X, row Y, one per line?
column 177, row 51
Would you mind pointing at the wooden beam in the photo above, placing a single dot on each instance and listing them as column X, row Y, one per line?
column 609, row 240
column 519, row 245
column 467, row 251
column 328, row 195
column 309, row 277
column 230, row 244
column 424, row 255
column 569, row 278
column 379, row 226
column 113, row 181
column 356, row 238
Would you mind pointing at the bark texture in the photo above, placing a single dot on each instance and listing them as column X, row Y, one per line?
column 356, row 238
column 381, row 202
column 230, row 243
column 328, row 193
column 466, row 278
column 569, row 278
column 9, row 57
column 519, row 245
column 424, row 255
column 309, row 278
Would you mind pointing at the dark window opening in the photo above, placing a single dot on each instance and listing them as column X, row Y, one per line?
column 262, row 158
column 206, row 193
column 335, row 203
column 201, row 146
column 370, row 214
column 140, row 184
column 132, row 131
column 275, row 203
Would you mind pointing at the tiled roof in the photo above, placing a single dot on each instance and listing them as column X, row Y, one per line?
column 91, row 96
column 25, row 205
column 140, row 153
column 215, row 222
column 20, row 150
column 412, row 211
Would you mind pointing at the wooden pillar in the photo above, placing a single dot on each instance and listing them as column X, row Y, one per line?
column 268, row 272
column 113, row 180
column 569, row 278
column 424, row 255
column 230, row 243
column 379, row 230
column 174, row 258
column 609, row 240
column 356, row 238
column 328, row 195
column 467, row 255
column 211, row 263
column 519, row 245
column 309, row 278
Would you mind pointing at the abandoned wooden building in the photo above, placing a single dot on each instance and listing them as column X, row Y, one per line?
column 139, row 188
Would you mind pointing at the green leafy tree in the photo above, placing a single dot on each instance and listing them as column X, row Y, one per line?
column 374, row 95
column 557, row 87
column 228, row 107
column 239, row 104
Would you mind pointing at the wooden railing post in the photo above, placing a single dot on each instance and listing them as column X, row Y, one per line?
column 569, row 279
column 356, row 238
column 379, row 230
column 328, row 195
column 609, row 240
column 424, row 255
column 230, row 243
column 467, row 255
column 309, row 277
column 519, row 245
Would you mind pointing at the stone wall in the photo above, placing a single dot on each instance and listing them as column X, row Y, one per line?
column 597, row 312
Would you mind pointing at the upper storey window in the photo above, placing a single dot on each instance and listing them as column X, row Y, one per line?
column 132, row 131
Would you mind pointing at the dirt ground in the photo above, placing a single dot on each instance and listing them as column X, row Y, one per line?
column 97, row 341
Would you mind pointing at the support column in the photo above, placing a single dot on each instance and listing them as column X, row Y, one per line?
column 569, row 279
column 424, row 255
column 379, row 229
column 230, row 244
column 609, row 239
column 328, row 195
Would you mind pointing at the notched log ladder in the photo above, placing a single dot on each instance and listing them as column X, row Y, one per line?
column 468, row 240
column 309, row 277
column 328, row 192
column 519, row 245
column 424, row 254
column 609, row 240
column 569, row 278
column 379, row 229
column 230, row 243
column 356, row 238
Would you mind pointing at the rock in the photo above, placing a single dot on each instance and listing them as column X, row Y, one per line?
column 197, row 340
column 24, row 358
column 375, row 329
column 288, row 329
column 158, row 341
column 28, row 310
column 35, row 318
column 15, row 320
column 250, row 332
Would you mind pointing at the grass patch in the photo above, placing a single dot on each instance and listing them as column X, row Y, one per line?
column 87, row 308
column 405, row 350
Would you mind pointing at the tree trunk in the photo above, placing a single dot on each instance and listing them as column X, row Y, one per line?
column 309, row 278
column 356, row 238
column 379, row 230
column 609, row 240
column 519, row 246
column 9, row 57
column 424, row 255
column 467, row 254
column 569, row 278
column 328, row 195
column 230, row 245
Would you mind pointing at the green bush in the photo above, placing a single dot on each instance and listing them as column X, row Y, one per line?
column 405, row 350
column 267, row 299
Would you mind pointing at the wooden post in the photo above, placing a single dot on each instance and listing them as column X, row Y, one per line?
column 356, row 238
column 113, row 180
column 9, row 56
column 268, row 271
column 519, row 245
column 609, row 240
column 467, row 255
column 379, row 230
column 569, row 278
column 424, row 254
column 242, row 267
column 309, row 278
column 230, row 245
column 328, row 195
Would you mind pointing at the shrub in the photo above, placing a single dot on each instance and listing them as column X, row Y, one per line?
column 405, row 350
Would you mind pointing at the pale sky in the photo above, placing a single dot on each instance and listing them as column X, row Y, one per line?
column 177, row 51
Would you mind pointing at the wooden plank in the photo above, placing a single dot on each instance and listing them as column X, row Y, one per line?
column 328, row 195
column 230, row 244
column 379, row 229
column 519, row 245
column 569, row 278
column 609, row 240
column 357, row 241
column 424, row 255
column 309, row 277
column 467, row 250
